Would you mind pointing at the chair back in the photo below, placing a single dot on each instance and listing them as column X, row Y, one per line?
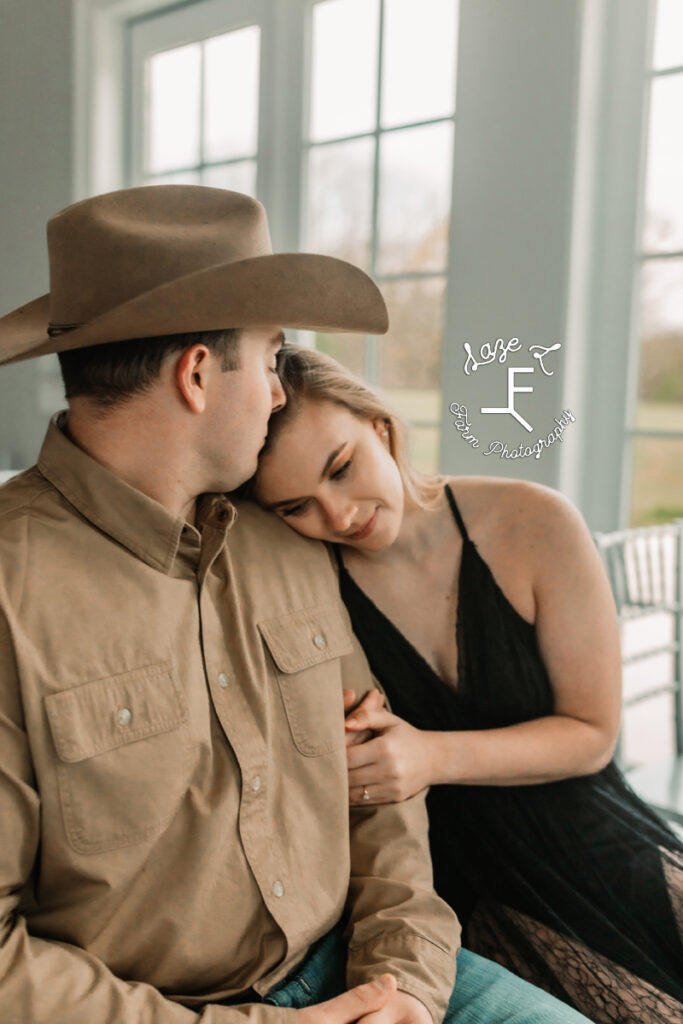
column 645, row 569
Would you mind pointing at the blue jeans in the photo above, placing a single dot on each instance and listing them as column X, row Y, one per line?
column 485, row 993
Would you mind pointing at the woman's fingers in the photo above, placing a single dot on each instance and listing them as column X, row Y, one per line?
column 368, row 776
column 375, row 795
column 372, row 701
column 368, row 718
column 364, row 754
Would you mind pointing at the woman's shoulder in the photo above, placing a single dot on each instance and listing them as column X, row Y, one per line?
column 507, row 505
column 518, row 527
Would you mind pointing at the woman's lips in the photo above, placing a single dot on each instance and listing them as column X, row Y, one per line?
column 364, row 531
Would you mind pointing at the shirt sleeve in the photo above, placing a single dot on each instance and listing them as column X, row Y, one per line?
column 395, row 920
column 52, row 982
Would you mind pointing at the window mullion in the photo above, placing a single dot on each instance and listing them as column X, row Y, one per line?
column 372, row 342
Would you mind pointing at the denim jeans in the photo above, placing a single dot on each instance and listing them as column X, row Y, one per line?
column 485, row 993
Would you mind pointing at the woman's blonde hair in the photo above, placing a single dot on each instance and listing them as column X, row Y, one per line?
column 307, row 374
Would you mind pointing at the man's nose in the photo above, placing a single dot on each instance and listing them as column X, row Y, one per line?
column 278, row 395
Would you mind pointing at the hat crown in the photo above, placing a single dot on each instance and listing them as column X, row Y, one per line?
column 109, row 249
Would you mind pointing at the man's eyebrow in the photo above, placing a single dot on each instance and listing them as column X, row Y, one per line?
column 330, row 460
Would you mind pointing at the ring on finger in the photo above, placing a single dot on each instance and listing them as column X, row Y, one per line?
column 366, row 795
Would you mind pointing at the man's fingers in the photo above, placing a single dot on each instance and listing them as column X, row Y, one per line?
column 349, row 1006
column 349, row 699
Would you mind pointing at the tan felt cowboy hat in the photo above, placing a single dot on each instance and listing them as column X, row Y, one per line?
column 166, row 259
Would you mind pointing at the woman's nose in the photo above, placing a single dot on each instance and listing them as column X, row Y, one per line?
column 341, row 514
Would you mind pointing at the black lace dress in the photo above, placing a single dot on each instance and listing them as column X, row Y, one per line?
column 575, row 885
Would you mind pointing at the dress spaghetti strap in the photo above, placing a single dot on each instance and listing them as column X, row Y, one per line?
column 456, row 512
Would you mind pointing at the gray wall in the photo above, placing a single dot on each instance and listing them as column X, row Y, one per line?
column 35, row 181
column 511, row 234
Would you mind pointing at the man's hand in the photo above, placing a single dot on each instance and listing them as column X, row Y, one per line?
column 376, row 1002
column 401, row 1009
column 357, row 1004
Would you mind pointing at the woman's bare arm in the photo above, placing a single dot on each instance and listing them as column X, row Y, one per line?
column 578, row 638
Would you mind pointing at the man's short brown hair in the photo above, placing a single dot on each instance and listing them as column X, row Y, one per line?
column 110, row 374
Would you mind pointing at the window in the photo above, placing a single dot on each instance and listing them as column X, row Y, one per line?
column 195, row 93
column 657, row 423
column 378, row 162
column 370, row 123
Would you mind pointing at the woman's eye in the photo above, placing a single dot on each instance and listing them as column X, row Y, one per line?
column 339, row 473
column 295, row 510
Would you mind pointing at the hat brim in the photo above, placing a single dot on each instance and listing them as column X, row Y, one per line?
column 296, row 290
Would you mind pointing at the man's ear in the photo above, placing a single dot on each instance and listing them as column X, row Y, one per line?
column 191, row 375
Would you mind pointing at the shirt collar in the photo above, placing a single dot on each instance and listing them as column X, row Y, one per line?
column 139, row 523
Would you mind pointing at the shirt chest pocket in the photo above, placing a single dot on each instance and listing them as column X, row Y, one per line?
column 306, row 647
column 123, row 754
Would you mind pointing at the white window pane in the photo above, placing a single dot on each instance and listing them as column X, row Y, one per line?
column 173, row 98
column 231, row 88
column 661, row 299
column 664, row 194
column 179, row 178
column 344, row 77
column 410, row 354
column 239, row 177
column 347, row 349
column 419, row 60
column 415, row 196
column 339, row 220
column 668, row 51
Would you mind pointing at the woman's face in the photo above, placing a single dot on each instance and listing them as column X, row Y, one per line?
column 330, row 476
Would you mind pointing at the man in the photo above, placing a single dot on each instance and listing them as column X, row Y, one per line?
column 176, row 843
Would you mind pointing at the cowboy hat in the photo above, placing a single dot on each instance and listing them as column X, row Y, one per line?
column 170, row 259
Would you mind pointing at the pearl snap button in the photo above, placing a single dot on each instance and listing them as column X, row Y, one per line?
column 278, row 889
column 124, row 716
column 319, row 641
column 222, row 680
column 256, row 783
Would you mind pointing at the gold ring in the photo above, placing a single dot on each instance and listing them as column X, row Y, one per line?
column 366, row 795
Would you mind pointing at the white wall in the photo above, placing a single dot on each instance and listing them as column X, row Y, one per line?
column 35, row 181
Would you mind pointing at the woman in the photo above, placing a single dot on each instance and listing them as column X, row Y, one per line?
column 486, row 616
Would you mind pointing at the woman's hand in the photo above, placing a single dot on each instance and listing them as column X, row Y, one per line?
column 391, row 762
column 372, row 701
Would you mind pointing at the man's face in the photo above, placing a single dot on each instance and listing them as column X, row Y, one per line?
column 240, row 405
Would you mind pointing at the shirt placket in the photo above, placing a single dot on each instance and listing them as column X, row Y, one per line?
column 229, row 691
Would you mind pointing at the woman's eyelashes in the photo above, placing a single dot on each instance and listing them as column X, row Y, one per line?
column 343, row 469
column 295, row 510
column 298, row 510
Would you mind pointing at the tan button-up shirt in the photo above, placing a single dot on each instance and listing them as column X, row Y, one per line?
column 173, row 794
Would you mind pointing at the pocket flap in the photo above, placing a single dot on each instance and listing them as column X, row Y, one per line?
column 108, row 713
column 308, row 637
